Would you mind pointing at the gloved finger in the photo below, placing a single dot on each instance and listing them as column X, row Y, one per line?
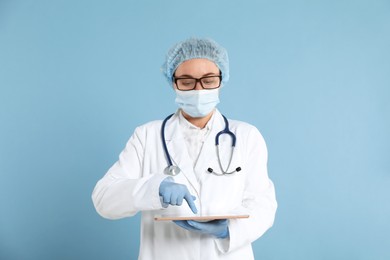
column 179, row 201
column 174, row 198
column 167, row 197
column 163, row 204
column 196, row 224
column 208, row 224
column 219, row 221
column 184, row 224
column 190, row 202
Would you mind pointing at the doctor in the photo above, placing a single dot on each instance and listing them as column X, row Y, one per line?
column 202, row 178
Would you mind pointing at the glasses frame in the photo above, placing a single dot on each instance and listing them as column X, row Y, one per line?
column 196, row 82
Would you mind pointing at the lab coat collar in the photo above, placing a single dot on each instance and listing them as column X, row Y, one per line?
column 186, row 124
column 172, row 128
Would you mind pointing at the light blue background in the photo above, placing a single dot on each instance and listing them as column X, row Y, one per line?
column 76, row 78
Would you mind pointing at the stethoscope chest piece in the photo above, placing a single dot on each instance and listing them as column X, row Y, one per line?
column 172, row 170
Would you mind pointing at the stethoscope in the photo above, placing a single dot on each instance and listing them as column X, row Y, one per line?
column 174, row 170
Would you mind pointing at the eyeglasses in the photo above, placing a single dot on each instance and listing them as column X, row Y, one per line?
column 208, row 82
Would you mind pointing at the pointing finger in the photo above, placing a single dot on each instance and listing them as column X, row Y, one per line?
column 190, row 201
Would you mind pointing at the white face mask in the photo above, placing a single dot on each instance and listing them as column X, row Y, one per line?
column 197, row 103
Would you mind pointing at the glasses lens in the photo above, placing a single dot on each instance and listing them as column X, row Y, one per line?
column 185, row 84
column 210, row 82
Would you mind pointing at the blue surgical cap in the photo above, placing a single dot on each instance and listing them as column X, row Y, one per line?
column 196, row 48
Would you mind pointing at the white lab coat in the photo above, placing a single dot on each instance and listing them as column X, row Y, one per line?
column 132, row 185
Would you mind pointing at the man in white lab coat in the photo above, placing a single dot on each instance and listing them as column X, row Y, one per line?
column 204, row 179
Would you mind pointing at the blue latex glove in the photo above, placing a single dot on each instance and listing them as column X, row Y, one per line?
column 173, row 194
column 218, row 228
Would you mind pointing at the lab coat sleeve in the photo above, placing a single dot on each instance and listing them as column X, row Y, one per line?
column 258, row 201
column 125, row 190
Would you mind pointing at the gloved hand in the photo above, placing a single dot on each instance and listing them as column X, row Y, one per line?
column 173, row 194
column 218, row 228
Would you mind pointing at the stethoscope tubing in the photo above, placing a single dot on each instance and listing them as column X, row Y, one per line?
column 174, row 170
column 167, row 155
column 226, row 131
